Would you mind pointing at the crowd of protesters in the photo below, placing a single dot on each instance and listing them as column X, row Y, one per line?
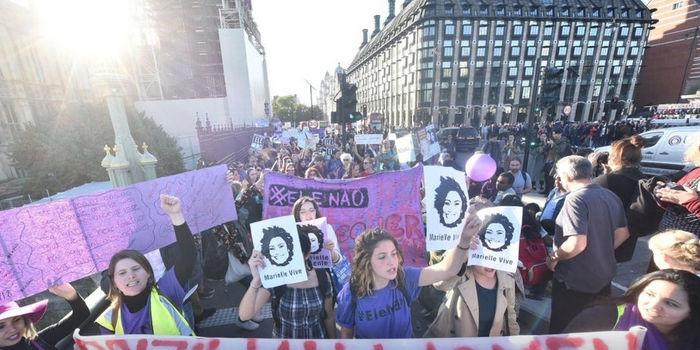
column 584, row 225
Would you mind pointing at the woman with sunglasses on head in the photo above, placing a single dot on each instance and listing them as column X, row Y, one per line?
column 17, row 324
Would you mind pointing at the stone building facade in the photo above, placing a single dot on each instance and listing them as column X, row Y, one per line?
column 466, row 61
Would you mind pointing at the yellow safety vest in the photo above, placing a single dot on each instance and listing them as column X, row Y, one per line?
column 166, row 319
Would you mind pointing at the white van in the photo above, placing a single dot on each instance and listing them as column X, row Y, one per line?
column 664, row 149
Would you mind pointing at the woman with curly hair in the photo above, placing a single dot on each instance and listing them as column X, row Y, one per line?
column 376, row 302
column 676, row 249
column 666, row 303
column 450, row 202
column 496, row 233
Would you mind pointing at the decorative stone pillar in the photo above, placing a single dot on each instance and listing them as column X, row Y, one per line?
column 148, row 163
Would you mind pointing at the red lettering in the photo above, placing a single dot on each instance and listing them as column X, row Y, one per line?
column 284, row 345
column 175, row 344
column 599, row 344
column 631, row 341
column 85, row 345
column 214, row 344
column 497, row 347
column 142, row 344
column 378, row 347
column 430, row 346
column 113, row 344
column 534, row 345
column 339, row 346
column 309, row 345
column 464, row 348
column 252, row 344
column 198, row 346
column 393, row 225
column 556, row 343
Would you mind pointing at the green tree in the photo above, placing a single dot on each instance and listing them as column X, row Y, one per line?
column 66, row 151
column 284, row 107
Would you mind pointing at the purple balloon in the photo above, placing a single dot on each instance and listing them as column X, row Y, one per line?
column 480, row 167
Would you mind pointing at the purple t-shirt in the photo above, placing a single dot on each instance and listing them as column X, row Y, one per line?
column 384, row 314
column 140, row 322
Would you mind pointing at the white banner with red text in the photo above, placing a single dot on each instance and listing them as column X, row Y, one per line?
column 617, row 340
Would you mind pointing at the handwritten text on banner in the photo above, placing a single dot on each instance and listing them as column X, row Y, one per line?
column 66, row 240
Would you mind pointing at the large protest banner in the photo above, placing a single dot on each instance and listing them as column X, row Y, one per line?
column 387, row 200
column 66, row 240
column 617, row 340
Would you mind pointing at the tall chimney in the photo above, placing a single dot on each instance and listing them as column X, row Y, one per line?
column 392, row 11
column 364, row 37
column 376, row 25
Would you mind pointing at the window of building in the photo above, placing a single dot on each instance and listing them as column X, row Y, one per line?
column 577, row 51
column 466, row 29
column 581, row 12
column 534, row 29
column 466, row 10
column 634, row 51
column 483, row 29
column 545, row 51
column 446, row 73
column 517, row 30
column 550, row 11
column 428, row 31
column 595, row 12
column 611, row 11
column 517, row 11
column 449, row 10
column 465, row 51
column 497, row 51
column 677, row 5
column 447, row 52
column 565, row 12
column 593, row 32
column 481, row 52
column 564, row 30
column 534, row 12
column 624, row 31
column 525, row 93
column 531, row 51
column 515, row 51
column 580, row 30
column 638, row 32
column 512, row 72
column 529, row 71
column 548, row 31
column 500, row 31
column 463, row 70
column 484, row 10
column 500, row 11
column 561, row 51
column 449, row 28
column 620, row 51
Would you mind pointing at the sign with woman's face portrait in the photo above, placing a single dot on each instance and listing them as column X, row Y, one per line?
column 446, row 203
column 318, row 236
column 499, row 238
column 278, row 241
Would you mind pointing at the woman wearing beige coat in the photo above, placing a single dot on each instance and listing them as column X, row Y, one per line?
column 459, row 315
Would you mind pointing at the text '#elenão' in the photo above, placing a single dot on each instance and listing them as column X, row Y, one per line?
column 282, row 196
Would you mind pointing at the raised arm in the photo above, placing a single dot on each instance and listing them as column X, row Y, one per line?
column 185, row 263
column 256, row 296
column 80, row 312
column 454, row 258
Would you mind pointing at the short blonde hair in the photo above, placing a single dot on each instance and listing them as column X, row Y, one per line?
column 681, row 246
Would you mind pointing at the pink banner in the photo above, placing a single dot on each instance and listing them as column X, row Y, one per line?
column 388, row 200
column 66, row 240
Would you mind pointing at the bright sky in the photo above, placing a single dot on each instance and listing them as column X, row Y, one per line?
column 305, row 38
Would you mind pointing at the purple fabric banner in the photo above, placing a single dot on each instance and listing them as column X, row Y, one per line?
column 388, row 200
column 66, row 240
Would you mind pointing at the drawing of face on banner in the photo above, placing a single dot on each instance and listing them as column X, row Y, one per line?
column 278, row 241
column 317, row 233
column 446, row 206
column 499, row 238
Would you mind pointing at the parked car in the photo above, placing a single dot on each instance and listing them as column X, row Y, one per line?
column 664, row 150
column 466, row 138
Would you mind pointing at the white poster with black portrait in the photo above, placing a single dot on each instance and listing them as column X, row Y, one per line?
column 277, row 240
column 446, row 203
column 499, row 239
column 317, row 231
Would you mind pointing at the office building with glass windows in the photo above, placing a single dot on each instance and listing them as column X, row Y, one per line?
column 466, row 61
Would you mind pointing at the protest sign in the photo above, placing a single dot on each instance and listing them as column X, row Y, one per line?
column 369, row 139
column 278, row 241
column 318, row 235
column 499, row 239
column 429, row 145
column 387, row 200
column 404, row 149
column 311, row 140
column 65, row 240
column 446, row 203
column 328, row 142
column 258, row 142
column 619, row 340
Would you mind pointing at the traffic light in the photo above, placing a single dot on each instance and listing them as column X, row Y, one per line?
column 346, row 106
column 551, row 87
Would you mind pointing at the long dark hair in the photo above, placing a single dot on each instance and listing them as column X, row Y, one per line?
column 296, row 208
column 447, row 185
column 685, row 335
